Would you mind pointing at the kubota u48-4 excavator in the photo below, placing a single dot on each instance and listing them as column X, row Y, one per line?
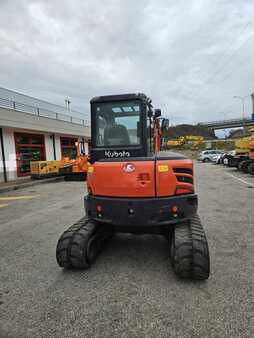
column 134, row 187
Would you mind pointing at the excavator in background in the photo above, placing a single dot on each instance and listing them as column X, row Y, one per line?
column 242, row 151
column 133, row 187
column 248, row 161
column 177, row 142
column 75, row 169
column 246, row 165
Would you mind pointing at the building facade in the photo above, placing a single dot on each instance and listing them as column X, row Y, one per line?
column 32, row 130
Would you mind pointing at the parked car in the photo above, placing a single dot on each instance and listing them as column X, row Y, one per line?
column 227, row 157
column 218, row 158
column 207, row 155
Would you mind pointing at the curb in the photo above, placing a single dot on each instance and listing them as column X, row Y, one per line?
column 31, row 184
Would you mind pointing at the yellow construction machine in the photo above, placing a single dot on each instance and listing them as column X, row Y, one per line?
column 191, row 141
column 44, row 169
column 245, row 153
column 71, row 169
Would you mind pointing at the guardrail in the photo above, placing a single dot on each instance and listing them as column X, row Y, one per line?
column 24, row 108
column 222, row 122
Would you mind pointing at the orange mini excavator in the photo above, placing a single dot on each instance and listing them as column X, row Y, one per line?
column 75, row 169
column 134, row 187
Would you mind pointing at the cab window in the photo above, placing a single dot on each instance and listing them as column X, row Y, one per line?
column 118, row 124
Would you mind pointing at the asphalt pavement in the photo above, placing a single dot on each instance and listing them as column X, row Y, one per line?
column 131, row 291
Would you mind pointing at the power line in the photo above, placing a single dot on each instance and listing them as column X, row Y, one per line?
column 230, row 45
column 227, row 75
column 228, row 60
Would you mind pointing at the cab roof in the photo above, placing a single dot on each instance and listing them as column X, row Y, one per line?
column 121, row 97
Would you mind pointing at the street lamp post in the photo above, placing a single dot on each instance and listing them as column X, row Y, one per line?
column 242, row 98
column 67, row 103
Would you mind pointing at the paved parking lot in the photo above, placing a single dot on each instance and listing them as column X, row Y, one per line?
column 131, row 291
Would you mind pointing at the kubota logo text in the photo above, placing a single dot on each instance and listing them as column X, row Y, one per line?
column 116, row 154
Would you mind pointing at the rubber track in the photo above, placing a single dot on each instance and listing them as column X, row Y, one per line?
column 71, row 246
column 251, row 168
column 75, row 177
column 243, row 166
column 190, row 253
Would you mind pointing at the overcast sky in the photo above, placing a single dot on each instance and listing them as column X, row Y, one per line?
column 190, row 57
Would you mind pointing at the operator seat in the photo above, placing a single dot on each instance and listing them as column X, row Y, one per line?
column 116, row 134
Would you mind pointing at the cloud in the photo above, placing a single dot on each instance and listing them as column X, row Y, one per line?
column 190, row 57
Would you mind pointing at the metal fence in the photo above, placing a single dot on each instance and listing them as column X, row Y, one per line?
column 231, row 121
column 25, row 108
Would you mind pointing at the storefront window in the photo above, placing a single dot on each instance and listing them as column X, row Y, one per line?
column 22, row 139
column 26, row 155
column 29, row 147
column 36, row 140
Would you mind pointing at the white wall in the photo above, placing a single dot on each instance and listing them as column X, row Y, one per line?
column 10, row 153
column 1, row 164
column 49, row 147
column 58, row 147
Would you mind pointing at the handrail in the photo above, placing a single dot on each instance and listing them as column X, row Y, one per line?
column 225, row 121
column 33, row 110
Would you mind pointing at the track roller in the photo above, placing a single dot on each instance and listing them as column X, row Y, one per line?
column 189, row 250
column 79, row 246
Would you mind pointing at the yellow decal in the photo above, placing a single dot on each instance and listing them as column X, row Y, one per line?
column 162, row 168
column 90, row 169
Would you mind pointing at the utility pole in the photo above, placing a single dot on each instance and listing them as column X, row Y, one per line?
column 242, row 98
column 67, row 103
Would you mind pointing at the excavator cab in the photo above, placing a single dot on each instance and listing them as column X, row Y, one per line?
column 134, row 187
column 121, row 127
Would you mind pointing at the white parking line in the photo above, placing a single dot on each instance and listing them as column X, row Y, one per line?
column 241, row 180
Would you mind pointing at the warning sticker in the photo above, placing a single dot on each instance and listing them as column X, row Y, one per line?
column 162, row 168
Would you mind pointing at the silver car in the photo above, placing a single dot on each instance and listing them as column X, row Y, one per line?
column 207, row 155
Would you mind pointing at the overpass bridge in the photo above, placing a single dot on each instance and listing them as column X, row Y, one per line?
column 225, row 124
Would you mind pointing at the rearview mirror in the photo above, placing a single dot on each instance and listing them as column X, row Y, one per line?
column 157, row 112
column 164, row 125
